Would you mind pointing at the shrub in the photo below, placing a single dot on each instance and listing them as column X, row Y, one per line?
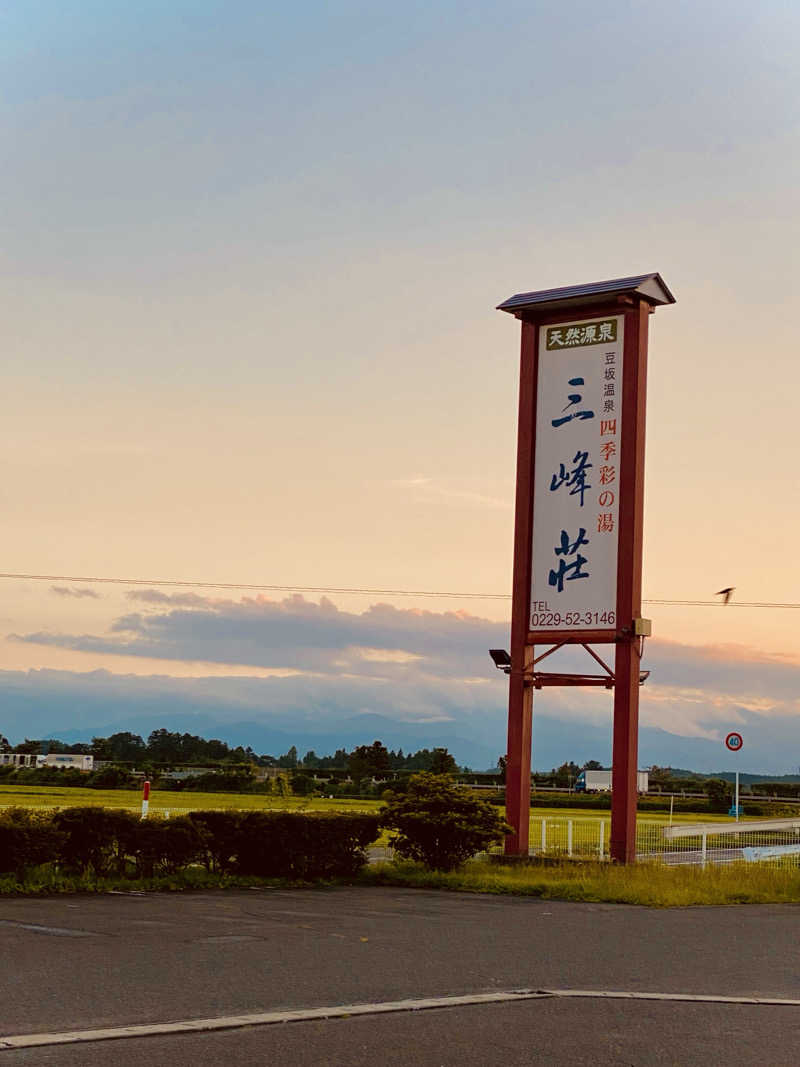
column 110, row 778
column 219, row 838
column 303, row 785
column 719, row 792
column 94, row 838
column 162, row 846
column 219, row 782
column 440, row 824
column 27, row 839
column 280, row 844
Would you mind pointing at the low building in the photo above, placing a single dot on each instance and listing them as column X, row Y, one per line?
column 17, row 759
column 53, row 759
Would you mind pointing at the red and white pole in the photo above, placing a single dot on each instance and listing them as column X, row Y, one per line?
column 145, row 799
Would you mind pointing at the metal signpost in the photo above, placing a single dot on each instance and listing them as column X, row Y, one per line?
column 578, row 527
column 733, row 743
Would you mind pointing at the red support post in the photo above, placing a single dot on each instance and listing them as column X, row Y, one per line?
column 629, row 588
column 622, row 847
column 518, row 760
column 520, row 694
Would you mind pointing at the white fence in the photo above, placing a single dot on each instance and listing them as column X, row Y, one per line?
column 682, row 843
column 756, row 841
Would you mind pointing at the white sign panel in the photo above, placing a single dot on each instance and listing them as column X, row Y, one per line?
column 576, row 475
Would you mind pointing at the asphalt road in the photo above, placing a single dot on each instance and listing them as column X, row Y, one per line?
column 81, row 962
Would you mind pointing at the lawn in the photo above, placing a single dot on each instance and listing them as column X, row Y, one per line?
column 53, row 796
column 646, row 884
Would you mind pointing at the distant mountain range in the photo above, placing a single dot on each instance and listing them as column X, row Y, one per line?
column 554, row 742
column 75, row 708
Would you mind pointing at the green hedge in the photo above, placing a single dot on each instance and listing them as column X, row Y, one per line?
column 220, row 835
column 280, row 844
column 108, row 842
column 216, row 782
column 27, row 839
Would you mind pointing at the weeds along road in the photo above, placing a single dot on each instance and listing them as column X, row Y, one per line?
column 76, row 963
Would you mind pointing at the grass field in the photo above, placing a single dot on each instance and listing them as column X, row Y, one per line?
column 50, row 796
column 650, row 885
column 646, row 885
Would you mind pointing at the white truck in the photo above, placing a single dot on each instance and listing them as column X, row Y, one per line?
column 64, row 761
column 600, row 782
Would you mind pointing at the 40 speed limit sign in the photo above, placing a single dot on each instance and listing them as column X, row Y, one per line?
column 734, row 742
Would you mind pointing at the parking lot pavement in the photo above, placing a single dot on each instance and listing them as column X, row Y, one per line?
column 82, row 962
column 532, row 1034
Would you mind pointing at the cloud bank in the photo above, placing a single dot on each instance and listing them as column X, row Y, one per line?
column 415, row 669
column 74, row 591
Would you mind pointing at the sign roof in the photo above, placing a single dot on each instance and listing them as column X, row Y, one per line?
column 651, row 287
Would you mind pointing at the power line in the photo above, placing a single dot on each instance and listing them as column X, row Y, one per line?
column 720, row 604
column 172, row 582
column 342, row 590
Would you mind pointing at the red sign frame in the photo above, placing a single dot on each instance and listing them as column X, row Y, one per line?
column 634, row 299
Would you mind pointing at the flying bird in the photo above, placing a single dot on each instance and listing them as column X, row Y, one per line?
column 726, row 593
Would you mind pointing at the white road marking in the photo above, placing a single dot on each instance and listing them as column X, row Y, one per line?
column 37, row 928
column 700, row 998
column 343, row 1011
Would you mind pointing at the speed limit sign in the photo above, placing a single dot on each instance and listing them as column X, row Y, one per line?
column 734, row 742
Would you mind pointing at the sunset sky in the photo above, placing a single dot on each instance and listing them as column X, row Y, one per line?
column 251, row 258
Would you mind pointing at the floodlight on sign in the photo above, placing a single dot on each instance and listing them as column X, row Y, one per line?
column 501, row 659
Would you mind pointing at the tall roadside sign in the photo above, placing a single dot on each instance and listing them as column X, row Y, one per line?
column 579, row 513
column 733, row 743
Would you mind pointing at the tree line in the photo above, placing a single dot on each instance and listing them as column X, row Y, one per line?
column 170, row 748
